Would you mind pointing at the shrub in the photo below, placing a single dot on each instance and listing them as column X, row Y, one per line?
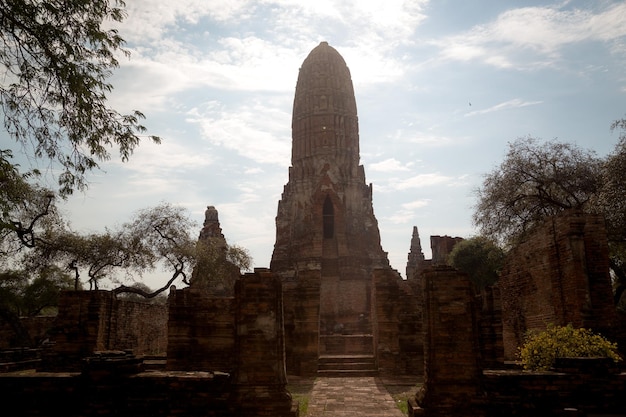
column 541, row 349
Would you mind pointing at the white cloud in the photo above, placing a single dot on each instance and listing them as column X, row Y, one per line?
column 169, row 156
column 198, row 42
column 537, row 33
column 255, row 131
column 431, row 140
column 417, row 204
column 388, row 165
column 510, row 104
column 149, row 20
column 420, row 181
column 406, row 212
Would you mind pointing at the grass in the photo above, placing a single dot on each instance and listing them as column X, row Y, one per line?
column 300, row 389
column 401, row 393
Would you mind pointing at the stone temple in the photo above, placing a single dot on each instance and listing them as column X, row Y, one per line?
column 330, row 306
column 327, row 238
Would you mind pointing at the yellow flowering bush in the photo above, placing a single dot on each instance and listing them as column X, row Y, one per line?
column 541, row 348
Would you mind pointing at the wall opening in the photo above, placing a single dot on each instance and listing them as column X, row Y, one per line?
column 328, row 214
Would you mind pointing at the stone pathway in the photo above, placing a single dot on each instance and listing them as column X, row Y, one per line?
column 358, row 396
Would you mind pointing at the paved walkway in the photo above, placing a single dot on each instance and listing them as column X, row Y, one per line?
column 358, row 396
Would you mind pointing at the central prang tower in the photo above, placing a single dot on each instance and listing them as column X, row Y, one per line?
column 327, row 238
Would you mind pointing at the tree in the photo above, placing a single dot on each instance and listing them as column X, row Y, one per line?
column 540, row 180
column 218, row 266
column 143, row 288
column 612, row 205
column 42, row 293
column 100, row 254
column 480, row 258
column 21, row 295
column 163, row 234
column 55, row 59
column 156, row 238
column 533, row 182
column 22, row 204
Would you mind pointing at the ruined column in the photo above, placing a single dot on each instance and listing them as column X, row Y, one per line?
column 260, row 379
column 452, row 373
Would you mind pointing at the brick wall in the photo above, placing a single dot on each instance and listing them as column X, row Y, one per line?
column 90, row 321
column 37, row 328
column 144, row 394
column 140, row 327
column 559, row 275
column 228, row 353
column 577, row 387
column 201, row 331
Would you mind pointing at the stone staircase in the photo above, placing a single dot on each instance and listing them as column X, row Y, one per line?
column 346, row 365
column 347, row 355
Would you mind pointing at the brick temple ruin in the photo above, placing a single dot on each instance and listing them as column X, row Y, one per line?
column 336, row 276
column 331, row 305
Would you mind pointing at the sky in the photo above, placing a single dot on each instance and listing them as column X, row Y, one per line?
column 441, row 88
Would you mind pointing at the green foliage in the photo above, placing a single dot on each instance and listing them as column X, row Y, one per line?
column 55, row 60
column 218, row 265
column 156, row 238
column 479, row 257
column 541, row 349
column 27, row 211
column 29, row 297
column 612, row 205
column 538, row 180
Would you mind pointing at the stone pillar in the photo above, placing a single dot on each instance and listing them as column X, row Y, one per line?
column 452, row 383
column 490, row 323
column 441, row 247
column 397, row 324
column 260, row 379
column 302, row 326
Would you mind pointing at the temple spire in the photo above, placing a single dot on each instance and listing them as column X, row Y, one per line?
column 324, row 122
column 415, row 257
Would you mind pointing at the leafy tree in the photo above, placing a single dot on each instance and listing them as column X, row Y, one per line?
column 55, row 59
column 26, row 296
column 218, row 265
column 479, row 257
column 100, row 254
column 539, row 180
column 533, row 182
column 22, row 296
column 156, row 238
column 612, row 204
column 42, row 293
column 22, row 204
column 162, row 235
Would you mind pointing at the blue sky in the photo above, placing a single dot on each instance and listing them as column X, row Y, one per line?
column 441, row 88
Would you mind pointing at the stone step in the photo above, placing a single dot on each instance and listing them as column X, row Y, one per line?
column 359, row 344
column 342, row 373
column 347, row 365
column 346, row 362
